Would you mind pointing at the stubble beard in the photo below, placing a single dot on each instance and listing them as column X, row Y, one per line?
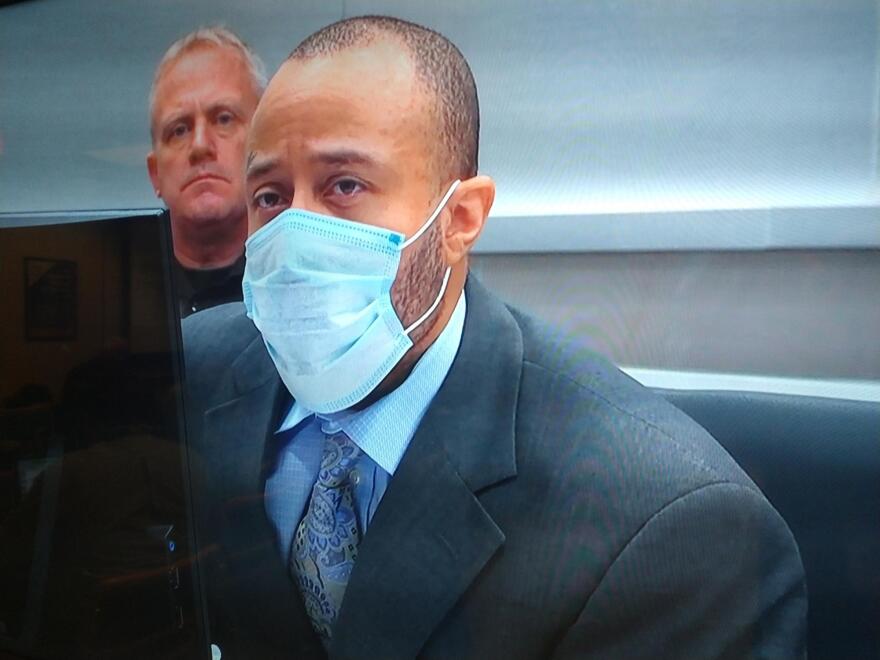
column 418, row 283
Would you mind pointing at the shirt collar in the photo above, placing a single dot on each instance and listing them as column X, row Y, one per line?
column 384, row 429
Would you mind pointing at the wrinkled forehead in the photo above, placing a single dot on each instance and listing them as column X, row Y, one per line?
column 198, row 62
column 370, row 92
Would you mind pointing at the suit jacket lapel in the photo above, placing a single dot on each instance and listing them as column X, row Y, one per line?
column 238, row 429
column 262, row 598
column 431, row 536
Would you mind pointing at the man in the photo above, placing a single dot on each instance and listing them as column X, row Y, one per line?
column 204, row 93
column 399, row 465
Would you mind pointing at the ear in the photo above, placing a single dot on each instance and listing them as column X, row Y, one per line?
column 153, row 170
column 469, row 207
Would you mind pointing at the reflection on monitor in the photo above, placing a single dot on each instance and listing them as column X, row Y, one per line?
column 94, row 519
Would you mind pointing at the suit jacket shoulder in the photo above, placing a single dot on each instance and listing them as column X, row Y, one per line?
column 547, row 504
column 675, row 551
column 213, row 339
column 583, row 396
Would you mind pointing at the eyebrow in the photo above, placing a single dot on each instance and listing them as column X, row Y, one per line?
column 343, row 157
column 256, row 167
column 180, row 115
column 173, row 118
column 229, row 103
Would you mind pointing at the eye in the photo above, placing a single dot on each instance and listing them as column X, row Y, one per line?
column 347, row 187
column 177, row 131
column 225, row 118
column 267, row 200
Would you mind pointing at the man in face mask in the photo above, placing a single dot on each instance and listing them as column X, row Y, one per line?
column 405, row 466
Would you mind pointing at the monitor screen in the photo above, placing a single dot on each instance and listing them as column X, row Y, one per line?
column 95, row 521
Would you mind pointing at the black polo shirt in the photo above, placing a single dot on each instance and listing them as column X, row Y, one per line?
column 199, row 288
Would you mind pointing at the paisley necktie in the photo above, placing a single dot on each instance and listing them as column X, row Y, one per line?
column 325, row 543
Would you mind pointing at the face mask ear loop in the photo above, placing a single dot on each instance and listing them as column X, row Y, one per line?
column 434, row 215
column 434, row 306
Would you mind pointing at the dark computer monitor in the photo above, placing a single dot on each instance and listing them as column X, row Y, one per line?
column 96, row 537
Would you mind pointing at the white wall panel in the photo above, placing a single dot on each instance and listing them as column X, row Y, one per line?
column 606, row 107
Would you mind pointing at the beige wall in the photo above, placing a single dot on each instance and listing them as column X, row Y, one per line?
column 794, row 313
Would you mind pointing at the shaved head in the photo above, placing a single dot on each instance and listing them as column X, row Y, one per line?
column 440, row 69
column 370, row 121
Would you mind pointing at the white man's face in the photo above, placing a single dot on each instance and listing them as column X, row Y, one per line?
column 203, row 106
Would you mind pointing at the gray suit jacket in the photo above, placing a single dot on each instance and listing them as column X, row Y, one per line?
column 548, row 506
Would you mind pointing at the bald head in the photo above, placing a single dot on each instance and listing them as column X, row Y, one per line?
column 441, row 72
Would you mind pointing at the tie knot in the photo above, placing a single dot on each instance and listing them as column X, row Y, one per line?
column 339, row 459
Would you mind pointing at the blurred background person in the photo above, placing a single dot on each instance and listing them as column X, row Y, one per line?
column 203, row 95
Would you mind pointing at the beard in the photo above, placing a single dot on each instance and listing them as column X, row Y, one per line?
column 418, row 282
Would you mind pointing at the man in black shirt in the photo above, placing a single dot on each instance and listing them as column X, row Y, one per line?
column 204, row 93
column 200, row 288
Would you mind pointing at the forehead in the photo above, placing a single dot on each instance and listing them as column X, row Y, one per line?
column 202, row 71
column 367, row 94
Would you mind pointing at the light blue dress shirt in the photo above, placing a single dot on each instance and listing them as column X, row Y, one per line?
column 382, row 431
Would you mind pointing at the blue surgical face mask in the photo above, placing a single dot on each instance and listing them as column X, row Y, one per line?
column 318, row 289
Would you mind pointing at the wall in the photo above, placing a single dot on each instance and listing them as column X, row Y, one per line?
column 785, row 313
column 603, row 111
column 587, row 107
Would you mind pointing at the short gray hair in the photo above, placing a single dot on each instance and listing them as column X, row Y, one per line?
column 215, row 35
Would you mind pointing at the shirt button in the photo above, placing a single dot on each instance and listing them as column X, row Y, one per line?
column 355, row 477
